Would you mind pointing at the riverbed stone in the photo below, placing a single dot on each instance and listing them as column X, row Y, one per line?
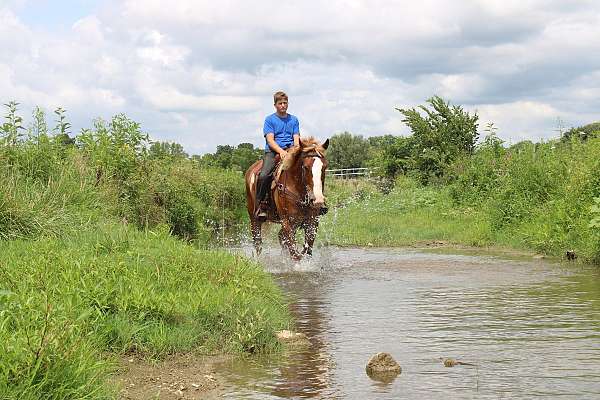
column 292, row 338
column 383, row 367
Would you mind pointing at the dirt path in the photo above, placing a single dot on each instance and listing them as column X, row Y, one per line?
column 178, row 377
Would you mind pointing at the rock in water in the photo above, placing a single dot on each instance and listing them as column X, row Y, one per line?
column 292, row 338
column 383, row 367
column 451, row 362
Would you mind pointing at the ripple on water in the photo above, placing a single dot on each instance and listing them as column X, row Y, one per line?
column 531, row 328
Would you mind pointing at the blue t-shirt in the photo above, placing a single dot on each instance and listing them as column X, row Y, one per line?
column 284, row 129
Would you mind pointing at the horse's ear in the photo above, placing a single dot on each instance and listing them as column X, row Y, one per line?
column 326, row 144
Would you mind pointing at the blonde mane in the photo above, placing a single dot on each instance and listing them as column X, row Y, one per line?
column 308, row 145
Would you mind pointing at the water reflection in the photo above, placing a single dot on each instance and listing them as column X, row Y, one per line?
column 308, row 373
column 532, row 329
column 304, row 371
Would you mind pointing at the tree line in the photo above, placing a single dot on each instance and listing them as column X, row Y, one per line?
column 440, row 133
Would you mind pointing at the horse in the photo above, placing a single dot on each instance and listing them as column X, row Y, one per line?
column 296, row 196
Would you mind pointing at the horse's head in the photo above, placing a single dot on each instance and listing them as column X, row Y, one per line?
column 311, row 162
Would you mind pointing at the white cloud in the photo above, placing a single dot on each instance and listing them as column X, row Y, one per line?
column 522, row 120
column 203, row 75
column 89, row 29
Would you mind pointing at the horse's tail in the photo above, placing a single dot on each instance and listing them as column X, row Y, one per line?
column 251, row 177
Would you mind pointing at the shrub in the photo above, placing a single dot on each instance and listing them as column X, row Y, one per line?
column 439, row 137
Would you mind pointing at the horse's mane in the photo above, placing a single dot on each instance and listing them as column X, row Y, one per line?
column 309, row 145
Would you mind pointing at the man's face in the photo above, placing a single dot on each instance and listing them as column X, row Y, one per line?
column 281, row 106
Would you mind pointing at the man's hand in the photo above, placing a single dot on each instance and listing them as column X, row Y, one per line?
column 283, row 154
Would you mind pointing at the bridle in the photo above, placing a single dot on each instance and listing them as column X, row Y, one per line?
column 305, row 200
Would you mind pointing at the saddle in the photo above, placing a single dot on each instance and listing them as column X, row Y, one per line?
column 271, row 208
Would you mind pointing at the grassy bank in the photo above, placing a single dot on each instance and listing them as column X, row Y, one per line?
column 67, row 304
column 407, row 215
column 539, row 197
column 101, row 255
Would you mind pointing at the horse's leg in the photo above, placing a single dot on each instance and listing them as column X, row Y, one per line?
column 281, row 236
column 310, row 233
column 255, row 226
column 289, row 238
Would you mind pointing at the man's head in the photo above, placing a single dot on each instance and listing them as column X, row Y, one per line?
column 280, row 100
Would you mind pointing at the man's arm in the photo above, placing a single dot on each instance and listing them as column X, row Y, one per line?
column 297, row 139
column 274, row 146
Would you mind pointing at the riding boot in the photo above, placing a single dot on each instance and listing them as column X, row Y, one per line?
column 261, row 212
column 261, row 194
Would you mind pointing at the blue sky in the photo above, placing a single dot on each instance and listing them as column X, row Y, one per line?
column 54, row 15
column 202, row 75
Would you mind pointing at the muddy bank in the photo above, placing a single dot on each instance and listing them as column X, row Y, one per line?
column 183, row 376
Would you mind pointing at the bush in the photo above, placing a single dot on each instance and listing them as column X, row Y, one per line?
column 539, row 193
column 194, row 202
column 63, row 302
column 29, row 208
column 440, row 137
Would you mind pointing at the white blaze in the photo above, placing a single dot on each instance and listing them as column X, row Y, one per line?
column 317, row 185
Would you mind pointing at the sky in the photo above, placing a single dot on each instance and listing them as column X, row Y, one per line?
column 202, row 74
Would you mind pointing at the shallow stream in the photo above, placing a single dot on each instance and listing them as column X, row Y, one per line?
column 531, row 327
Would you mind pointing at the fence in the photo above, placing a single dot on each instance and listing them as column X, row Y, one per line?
column 348, row 173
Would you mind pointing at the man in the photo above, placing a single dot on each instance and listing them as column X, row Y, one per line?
column 281, row 131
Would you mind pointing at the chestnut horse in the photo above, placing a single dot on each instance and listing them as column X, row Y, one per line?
column 296, row 197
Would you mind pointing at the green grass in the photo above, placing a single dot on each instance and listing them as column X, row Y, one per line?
column 90, row 264
column 408, row 215
column 412, row 214
column 67, row 302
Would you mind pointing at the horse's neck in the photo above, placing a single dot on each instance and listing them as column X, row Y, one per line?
column 291, row 178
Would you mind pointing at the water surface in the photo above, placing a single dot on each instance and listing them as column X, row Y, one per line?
column 531, row 327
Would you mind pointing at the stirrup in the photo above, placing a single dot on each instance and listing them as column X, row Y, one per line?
column 261, row 211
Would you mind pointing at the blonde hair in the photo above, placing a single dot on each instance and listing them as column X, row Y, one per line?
column 279, row 96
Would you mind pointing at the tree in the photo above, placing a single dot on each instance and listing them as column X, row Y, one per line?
column 166, row 150
column 228, row 157
column 347, row 151
column 583, row 132
column 440, row 136
column 395, row 158
column 382, row 141
column 245, row 155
